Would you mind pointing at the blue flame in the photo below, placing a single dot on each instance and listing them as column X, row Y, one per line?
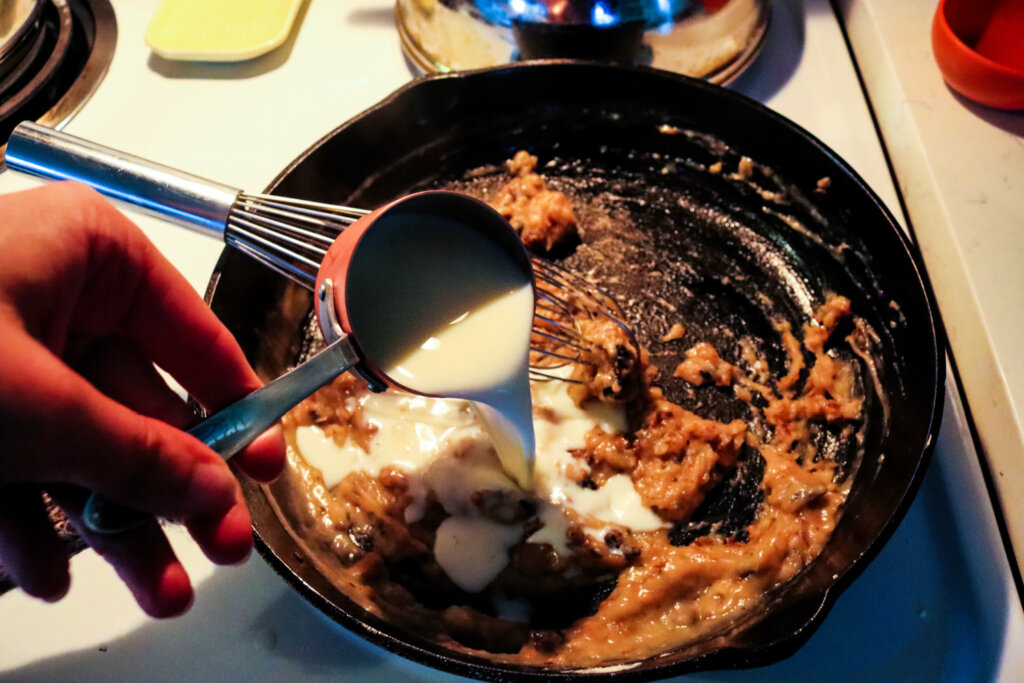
column 654, row 13
column 602, row 15
column 528, row 10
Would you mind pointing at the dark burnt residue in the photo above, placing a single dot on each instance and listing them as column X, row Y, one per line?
column 676, row 243
column 730, row 507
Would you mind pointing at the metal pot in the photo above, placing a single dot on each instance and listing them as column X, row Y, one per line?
column 19, row 27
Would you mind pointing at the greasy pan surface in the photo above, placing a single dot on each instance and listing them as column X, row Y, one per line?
column 724, row 254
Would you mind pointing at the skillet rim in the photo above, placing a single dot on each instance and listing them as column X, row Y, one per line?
column 814, row 607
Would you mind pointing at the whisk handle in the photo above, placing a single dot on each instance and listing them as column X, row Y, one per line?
column 196, row 203
column 231, row 429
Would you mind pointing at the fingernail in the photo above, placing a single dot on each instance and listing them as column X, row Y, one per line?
column 211, row 489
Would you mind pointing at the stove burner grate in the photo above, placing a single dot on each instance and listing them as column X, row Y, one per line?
column 73, row 48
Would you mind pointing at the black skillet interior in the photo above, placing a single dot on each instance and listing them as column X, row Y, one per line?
column 724, row 254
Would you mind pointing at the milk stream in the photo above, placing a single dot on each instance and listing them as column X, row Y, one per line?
column 483, row 356
column 444, row 311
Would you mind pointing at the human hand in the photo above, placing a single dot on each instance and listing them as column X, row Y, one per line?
column 87, row 307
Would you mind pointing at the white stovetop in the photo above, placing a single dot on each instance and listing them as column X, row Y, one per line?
column 961, row 171
column 938, row 601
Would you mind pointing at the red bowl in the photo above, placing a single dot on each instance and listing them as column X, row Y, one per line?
column 958, row 25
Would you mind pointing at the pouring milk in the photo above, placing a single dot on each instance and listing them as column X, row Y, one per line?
column 457, row 322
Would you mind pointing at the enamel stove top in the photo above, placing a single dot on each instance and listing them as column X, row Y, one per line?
column 938, row 603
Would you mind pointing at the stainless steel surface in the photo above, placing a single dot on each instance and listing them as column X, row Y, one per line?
column 563, row 296
column 230, row 430
column 326, row 313
column 43, row 77
column 104, row 27
column 331, row 329
column 189, row 200
column 289, row 236
column 15, row 66
column 671, row 35
column 18, row 20
column 296, row 252
column 63, row 65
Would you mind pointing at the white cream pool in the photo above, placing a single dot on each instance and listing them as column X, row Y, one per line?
column 444, row 450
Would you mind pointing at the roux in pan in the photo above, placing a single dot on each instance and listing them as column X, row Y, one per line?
column 611, row 557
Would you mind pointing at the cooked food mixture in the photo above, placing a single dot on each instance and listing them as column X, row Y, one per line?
column 402, row 502
column 543, row 218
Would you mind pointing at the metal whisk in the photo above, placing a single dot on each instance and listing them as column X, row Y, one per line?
column 290, row 236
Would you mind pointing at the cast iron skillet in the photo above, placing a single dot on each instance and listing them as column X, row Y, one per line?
column 710, row 251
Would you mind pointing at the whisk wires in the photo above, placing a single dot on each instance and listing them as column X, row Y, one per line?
column 292, row 236
column 289, row 236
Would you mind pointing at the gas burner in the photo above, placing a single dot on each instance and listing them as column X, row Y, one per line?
column 57, row 65
column 711, row 39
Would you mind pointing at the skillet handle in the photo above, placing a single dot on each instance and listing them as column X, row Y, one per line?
column 230, row 430
column 196, row 203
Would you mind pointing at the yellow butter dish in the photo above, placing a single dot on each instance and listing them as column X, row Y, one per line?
column 220, row 30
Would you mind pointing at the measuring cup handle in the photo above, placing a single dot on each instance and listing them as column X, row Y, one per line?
column 230, row 430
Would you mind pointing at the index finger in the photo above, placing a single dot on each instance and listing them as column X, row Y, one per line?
column 173, row 327
column 156, row 307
